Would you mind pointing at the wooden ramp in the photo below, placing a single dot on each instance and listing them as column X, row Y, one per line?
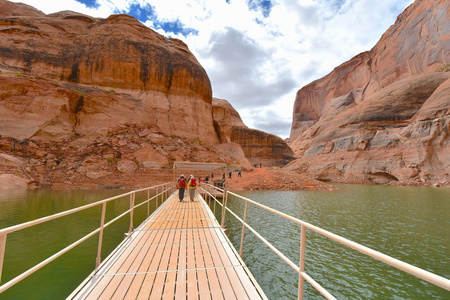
column 179, row 252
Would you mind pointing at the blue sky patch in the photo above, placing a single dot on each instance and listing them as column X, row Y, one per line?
column 175, row 27
column 142, row 13
column 265, row 6
column 89, row 3
column 147, row 13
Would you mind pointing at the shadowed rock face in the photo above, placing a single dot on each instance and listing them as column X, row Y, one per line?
column 258, row 146
column 144, row 76
column 384, row 115
column 262, row 147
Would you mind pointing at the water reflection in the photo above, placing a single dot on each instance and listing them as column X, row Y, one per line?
column 410, row 224
column 30, row 246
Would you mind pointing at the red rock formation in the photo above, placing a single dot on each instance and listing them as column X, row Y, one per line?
column 155, row 80
column 383, row 116
column 262, row 148
column 225, row 119
column 258, row 146
column 417, row 43
column 98, row 102
column 102, row 102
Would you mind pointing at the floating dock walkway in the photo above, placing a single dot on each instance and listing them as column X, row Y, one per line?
column 179, row 252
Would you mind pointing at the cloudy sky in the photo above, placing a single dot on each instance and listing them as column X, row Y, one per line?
column 257, row 53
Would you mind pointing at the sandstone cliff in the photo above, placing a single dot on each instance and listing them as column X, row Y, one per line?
column 87, row 102
column 258, row 146
column 100, row 73
column 383, row 116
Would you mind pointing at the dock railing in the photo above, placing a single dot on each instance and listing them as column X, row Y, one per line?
column 161, row 191
column 211, row 192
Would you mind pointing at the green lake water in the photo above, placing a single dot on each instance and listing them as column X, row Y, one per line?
column 410, row 224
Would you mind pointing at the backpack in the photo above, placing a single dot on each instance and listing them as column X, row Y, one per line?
column 181, row 183
column 193, row 183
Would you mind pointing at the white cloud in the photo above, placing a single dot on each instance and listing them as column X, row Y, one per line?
column 259, row 63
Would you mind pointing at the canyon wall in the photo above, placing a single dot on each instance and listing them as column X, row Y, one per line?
column 99, row 73
column 90, row 102
column 383, row 116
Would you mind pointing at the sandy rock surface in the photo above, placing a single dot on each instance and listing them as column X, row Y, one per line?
column 274, row 179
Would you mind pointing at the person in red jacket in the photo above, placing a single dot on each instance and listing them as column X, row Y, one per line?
column 181, row 185
column 192, row 185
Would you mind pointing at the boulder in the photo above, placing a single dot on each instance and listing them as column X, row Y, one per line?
column 10, row 161
column 150, row 158
column 92, row 164
column 9, row 181
column 127, row 166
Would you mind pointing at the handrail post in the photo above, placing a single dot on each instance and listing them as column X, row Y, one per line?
column 2, row 252
column 157, row 196
column 148, row 202
column 224, row 207
column 100, row 236
column 241, row 251
column 131, row 212
column 302, row 261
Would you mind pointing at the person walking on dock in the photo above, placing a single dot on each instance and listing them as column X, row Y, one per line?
column 181, row 185
column 192, row 185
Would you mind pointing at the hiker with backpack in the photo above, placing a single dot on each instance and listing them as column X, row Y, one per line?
column 192, row 185
column 181, row 186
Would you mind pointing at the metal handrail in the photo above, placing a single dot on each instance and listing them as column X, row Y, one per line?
column 162, row 190
column 207, row 189
column 408, row 268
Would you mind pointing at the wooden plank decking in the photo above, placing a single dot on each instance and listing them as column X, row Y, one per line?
column 179, row 252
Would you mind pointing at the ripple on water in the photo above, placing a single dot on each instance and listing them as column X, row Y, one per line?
column 412, row 225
